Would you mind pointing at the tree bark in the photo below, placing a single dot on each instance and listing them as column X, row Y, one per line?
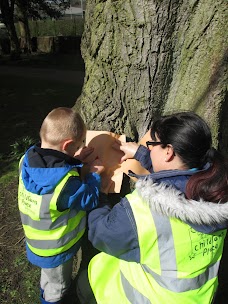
column 145, row 58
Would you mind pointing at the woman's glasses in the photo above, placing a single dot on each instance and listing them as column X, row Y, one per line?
column 153, row 143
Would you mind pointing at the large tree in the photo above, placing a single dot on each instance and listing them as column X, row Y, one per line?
column 144, row 58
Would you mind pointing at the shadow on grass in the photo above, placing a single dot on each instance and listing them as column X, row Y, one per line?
column 43, row 60
column 26, row 98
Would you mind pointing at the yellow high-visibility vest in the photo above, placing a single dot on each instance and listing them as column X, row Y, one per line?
column 48, row 231
column 177, row 264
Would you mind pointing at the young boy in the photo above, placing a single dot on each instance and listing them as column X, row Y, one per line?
column 53, row 199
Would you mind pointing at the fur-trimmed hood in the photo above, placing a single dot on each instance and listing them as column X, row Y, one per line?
column 172, row 203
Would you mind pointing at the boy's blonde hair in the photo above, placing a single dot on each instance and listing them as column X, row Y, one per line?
column 62, row 124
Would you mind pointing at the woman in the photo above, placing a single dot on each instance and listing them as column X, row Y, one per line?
column 163, row 242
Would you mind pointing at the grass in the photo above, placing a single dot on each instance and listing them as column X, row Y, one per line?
column 41, row 60
column 19, row 280
column 22, row 110
column 26, row 100
column 15, row 271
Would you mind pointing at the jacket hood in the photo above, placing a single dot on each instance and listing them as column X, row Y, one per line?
column 41, row 180
column 170, row 202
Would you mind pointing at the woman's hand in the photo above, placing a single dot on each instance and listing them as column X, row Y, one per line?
column 82, row 153
column 128, row 148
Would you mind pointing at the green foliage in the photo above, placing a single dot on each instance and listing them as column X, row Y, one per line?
column 63, row 27
column 39, row 9
column 19, row 147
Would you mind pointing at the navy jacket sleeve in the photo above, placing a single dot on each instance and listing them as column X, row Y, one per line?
column 114, row 231
column 143, row 156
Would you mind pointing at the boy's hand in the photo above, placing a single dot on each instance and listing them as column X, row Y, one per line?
column 97, row 166
column 82, row 153
column 128, row 148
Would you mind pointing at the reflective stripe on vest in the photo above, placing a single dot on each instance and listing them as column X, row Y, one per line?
column 132, row 294
column 177, row 263
column 48, row 231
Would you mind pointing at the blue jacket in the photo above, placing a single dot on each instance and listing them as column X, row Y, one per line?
column 114, row 231
column 42, row 169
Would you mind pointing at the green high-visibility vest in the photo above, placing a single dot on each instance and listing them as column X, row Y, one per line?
column 177, row 264
column 48, row 231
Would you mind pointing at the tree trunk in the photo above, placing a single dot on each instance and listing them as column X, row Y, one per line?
column 8, row 18
column 22, row 12
column 144, row 58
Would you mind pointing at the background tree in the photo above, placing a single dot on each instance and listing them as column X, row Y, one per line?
column 7, row 10
column 36, row 10
column 22, row 10
column 39, row 9
column 144, row 58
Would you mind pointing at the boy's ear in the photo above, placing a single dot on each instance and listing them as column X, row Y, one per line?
column 66, row 144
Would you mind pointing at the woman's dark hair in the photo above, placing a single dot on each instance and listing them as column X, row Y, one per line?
column 191, row 139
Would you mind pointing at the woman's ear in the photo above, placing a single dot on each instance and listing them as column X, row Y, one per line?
column 169, row 153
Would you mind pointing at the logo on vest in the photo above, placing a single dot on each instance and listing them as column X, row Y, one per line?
column 204, row 244
column 29, row 204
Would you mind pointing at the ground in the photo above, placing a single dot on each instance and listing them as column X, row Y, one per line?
column 28, row 93
column 29, row 89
